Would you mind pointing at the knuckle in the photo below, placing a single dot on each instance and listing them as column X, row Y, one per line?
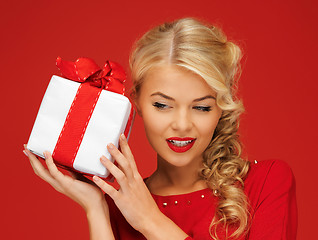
column 56, row 174
column 53, row 173
column 125, row 164
column 59, row 189
column 62, row 186
column 138, row 177
column 48, row 162
column 124, row 143
column 101, row 183
column 43, row 178
column 121, row 177
column 116, row 153
column 110, row 166
column 49, row 166
column 132, row 159
column 113, row 192
column 39, row 172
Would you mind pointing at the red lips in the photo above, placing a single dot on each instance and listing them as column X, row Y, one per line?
column 175, row 144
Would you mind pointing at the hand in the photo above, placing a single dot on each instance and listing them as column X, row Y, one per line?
column 133, row 198
column 77, row 187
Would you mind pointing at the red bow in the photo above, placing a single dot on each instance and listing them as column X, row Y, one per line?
column 111, row 77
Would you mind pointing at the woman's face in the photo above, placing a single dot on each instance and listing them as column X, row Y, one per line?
column 179, row 112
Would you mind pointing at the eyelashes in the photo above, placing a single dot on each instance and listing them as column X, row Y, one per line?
column 162, row 106
column 202, row 108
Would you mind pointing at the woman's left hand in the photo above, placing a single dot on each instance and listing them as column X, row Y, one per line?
column 133, row 198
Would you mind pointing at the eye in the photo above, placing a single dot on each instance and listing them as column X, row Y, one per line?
column 160, row 105
column 203, row 108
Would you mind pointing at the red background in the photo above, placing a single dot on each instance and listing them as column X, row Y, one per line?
column 278, row 85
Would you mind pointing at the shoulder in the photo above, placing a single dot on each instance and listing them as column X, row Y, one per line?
column 269, row 178
column 270, row 188
column 269, row 170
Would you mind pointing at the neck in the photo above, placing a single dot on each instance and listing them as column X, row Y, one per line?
column 169, row 179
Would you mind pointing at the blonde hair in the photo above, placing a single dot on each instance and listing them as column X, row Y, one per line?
column 205, row 51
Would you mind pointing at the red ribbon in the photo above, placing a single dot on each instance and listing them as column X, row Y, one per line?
column 110, row 77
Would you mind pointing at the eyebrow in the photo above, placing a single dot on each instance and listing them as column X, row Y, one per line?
column 170, row 98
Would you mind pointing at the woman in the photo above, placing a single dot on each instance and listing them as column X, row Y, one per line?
column 184, row 76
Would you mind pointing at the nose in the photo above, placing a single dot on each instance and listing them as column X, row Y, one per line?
column 182, row 121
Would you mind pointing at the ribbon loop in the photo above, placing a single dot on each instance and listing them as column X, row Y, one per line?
column 110, row 77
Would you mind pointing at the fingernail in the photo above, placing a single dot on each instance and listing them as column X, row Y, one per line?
column 122, row 136
column 110, row 146
column 96, row 179
column 25, row 146
column 45, row 155
column 103, row 159
column 25, row 153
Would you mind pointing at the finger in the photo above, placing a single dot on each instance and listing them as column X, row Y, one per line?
column 41, row 172
column 115, row 171
column 121, row 160
column 55, row 173
column 127, row 152
column 37, row 166
column 108, row 189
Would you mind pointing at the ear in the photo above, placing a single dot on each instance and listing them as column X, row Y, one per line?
column 136, row 102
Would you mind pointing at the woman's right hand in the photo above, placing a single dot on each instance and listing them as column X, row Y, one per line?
column 77, row 187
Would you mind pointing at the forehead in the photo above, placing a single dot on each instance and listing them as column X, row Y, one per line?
column 175, row 81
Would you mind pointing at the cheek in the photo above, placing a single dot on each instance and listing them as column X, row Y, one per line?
column 154, row 128
column 154, row 123
column 207, row 127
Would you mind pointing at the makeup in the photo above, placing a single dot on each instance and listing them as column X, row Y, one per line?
column 180, row 145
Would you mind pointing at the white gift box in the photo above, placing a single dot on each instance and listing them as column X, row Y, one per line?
column 108, row 120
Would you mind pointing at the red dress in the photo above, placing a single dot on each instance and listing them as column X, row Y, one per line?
column 270, row 187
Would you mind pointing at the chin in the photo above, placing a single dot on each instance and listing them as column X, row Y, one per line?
column 179, row 161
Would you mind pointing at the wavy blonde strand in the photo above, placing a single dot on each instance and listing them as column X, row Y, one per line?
column 224, row 171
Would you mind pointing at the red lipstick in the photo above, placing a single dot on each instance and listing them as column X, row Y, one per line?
column 180, row 145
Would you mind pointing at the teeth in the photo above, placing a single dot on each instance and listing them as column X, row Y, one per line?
column 180, row 143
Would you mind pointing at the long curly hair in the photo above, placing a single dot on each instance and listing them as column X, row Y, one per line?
column 205, row 50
